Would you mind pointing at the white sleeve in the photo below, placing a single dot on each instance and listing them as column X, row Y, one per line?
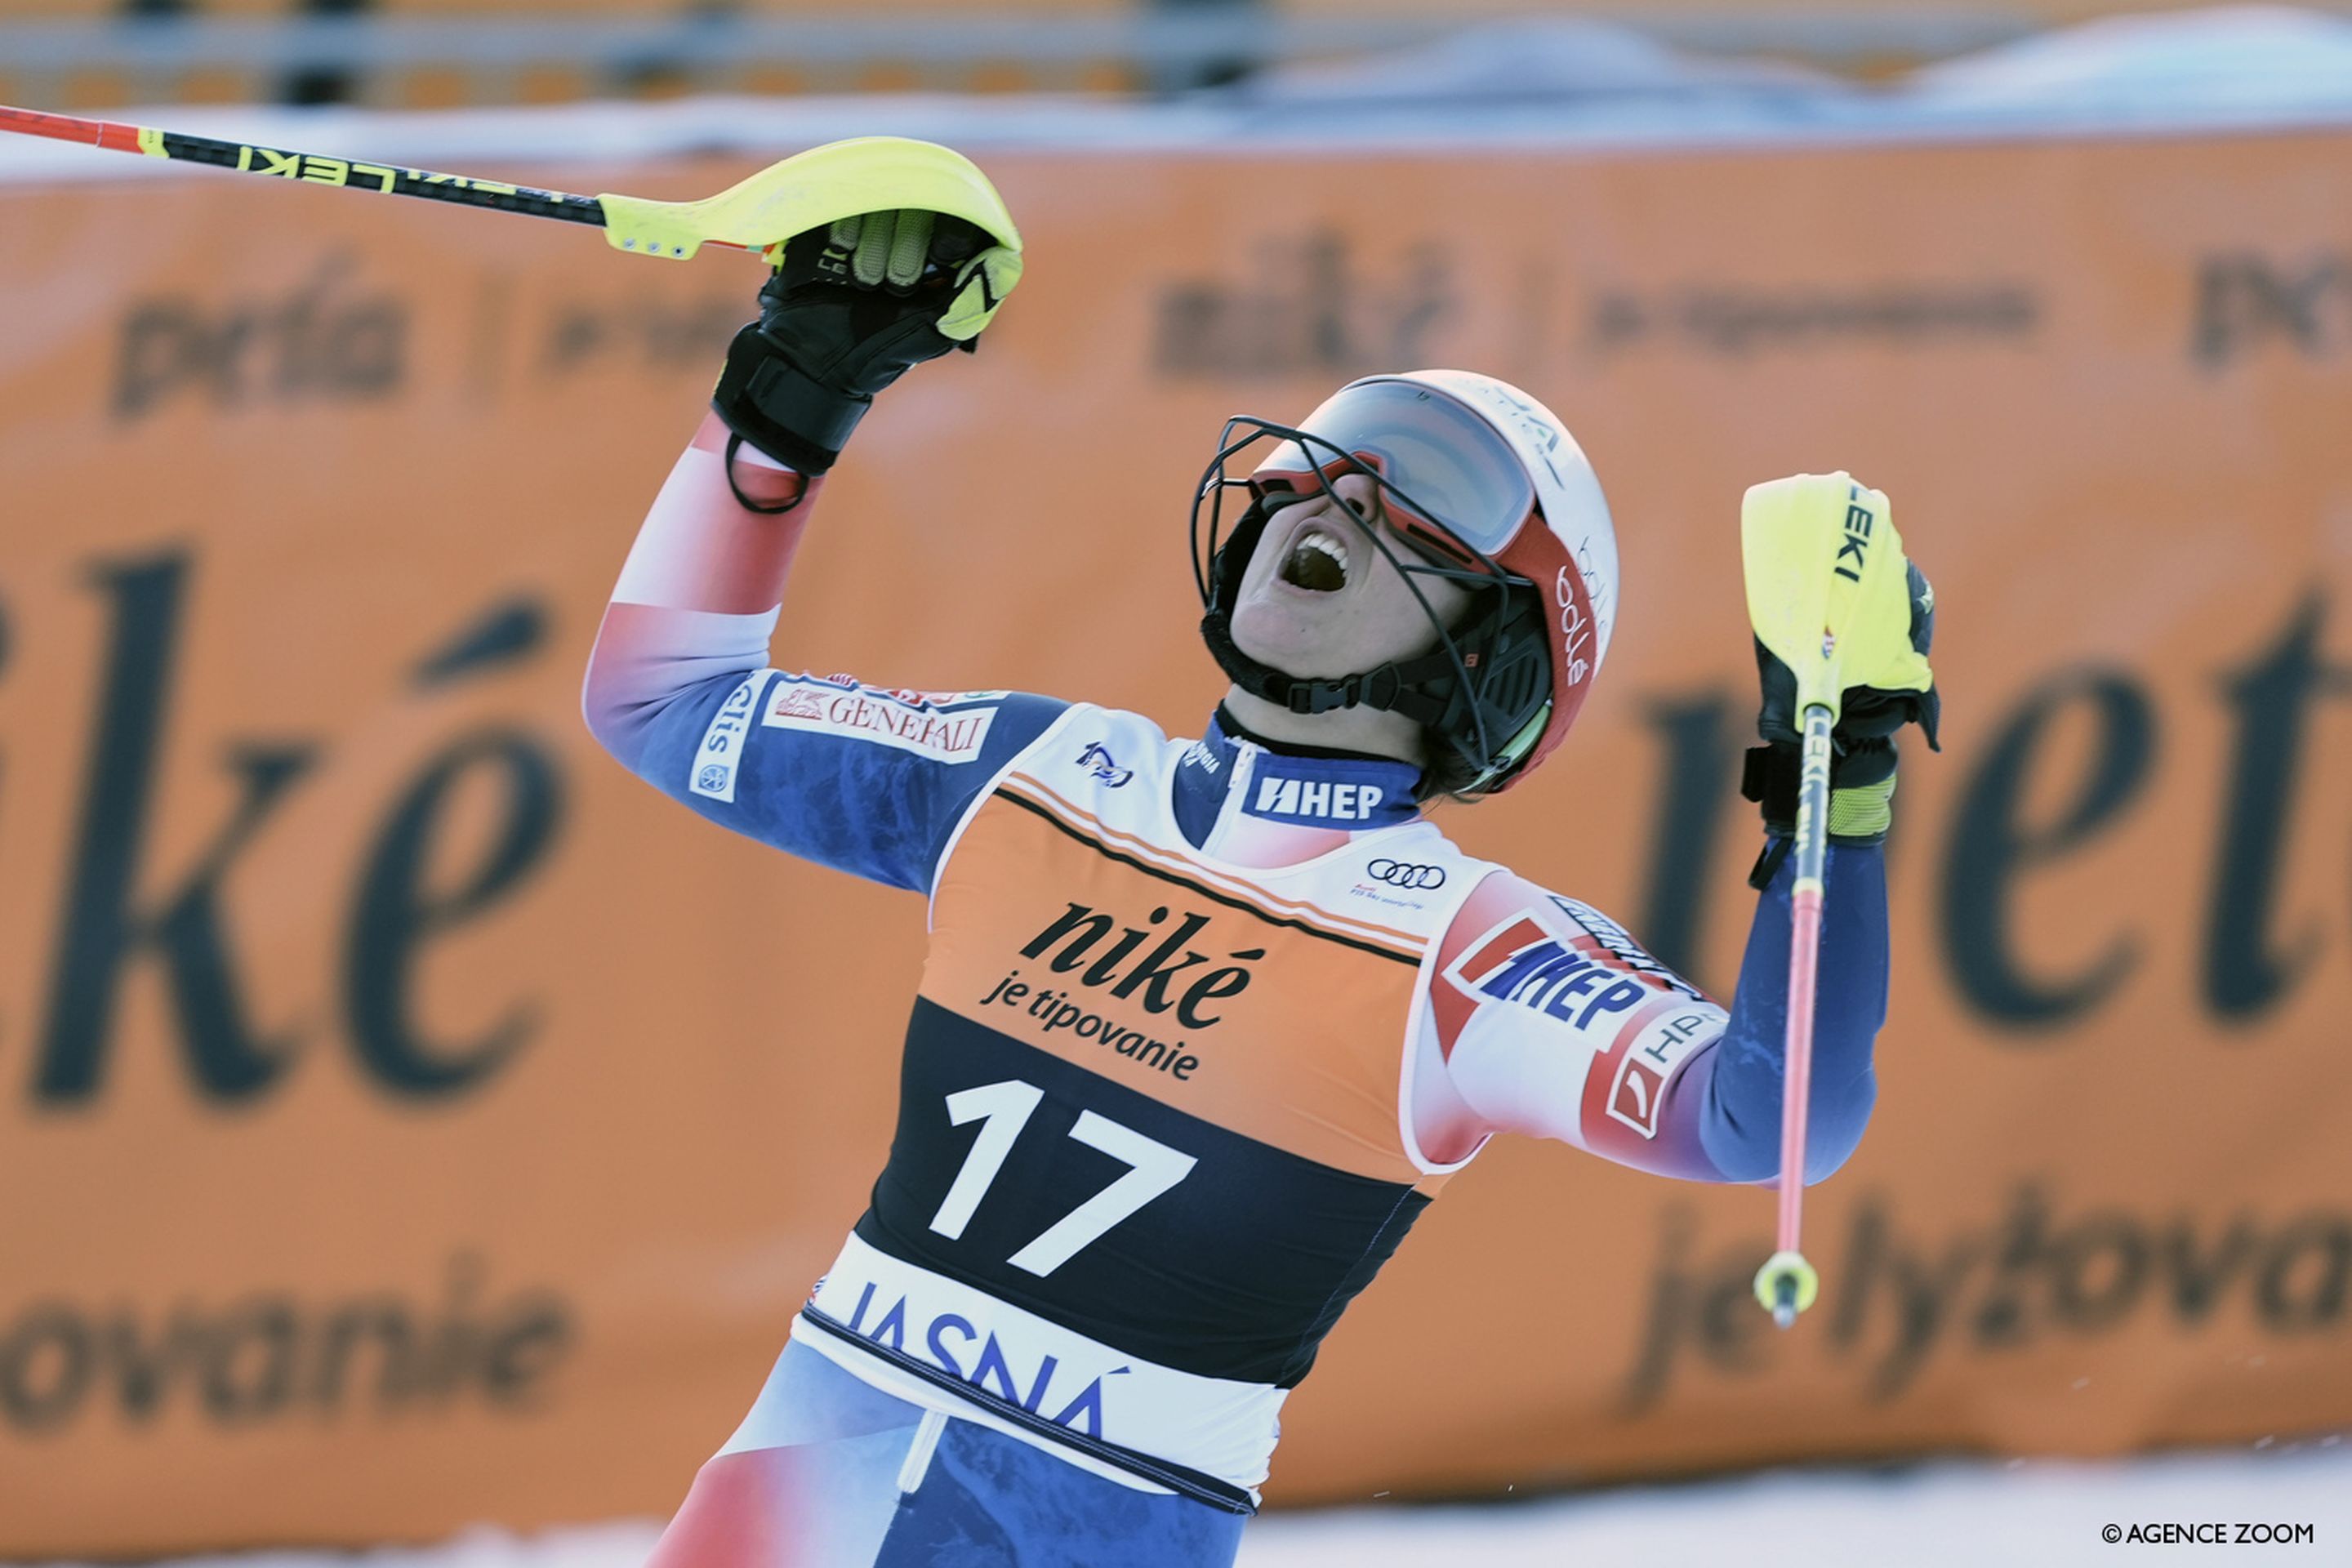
column 1565, row 1028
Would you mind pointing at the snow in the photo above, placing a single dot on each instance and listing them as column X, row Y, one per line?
column 1947, row 1514
column 2244, row 57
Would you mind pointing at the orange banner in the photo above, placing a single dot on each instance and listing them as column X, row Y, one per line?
column 412, row 1120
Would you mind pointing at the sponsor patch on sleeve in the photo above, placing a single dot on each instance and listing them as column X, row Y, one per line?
column 950, row 699
column 717, row 760
column 1633, row 1022
column 1525, row 962
column 1651, row 1059
column 909, row 721
column 1610, row 942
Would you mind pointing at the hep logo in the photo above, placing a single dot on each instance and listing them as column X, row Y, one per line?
column 1522, row 963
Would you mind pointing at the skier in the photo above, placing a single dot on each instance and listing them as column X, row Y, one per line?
column 1207, row 1023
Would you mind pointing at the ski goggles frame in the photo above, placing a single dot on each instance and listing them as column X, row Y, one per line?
column 1436, row 550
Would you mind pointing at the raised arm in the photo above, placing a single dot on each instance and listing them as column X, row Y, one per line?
column 702, row 591
column 1553, row 1021
column 678, row 687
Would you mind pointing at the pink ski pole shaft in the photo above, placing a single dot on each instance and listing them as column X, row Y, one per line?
column 1786, row 1284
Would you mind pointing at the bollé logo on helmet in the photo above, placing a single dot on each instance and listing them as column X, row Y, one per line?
column 1154, row 974
column 1573, row 627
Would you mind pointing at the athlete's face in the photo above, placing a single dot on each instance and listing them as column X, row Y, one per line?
column 1319, row 599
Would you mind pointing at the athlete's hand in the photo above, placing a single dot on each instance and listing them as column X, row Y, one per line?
column 848, row 310
column 1887, row 626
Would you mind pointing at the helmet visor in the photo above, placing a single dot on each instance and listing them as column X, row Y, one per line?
column 1445, row 468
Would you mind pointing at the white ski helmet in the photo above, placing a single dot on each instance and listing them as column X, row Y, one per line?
column 1492, row 492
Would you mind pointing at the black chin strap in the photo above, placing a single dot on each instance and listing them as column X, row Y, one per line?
column 1400, row 688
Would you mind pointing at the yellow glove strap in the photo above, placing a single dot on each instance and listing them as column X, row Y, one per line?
column 1863, row 811
column 981, row 287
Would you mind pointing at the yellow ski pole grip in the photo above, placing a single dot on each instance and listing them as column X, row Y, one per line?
column 811, row 190
column 1809, row 544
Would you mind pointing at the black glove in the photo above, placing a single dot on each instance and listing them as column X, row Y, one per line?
column 1862, row 761
column 851, row 308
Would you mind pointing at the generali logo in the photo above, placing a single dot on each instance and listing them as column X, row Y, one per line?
column 884, row 718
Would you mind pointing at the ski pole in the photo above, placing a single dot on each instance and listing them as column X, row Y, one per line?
column 1786, row 1284
column 1806, row 543
column 758, row 213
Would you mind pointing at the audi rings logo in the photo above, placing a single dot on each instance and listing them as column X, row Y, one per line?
column 1398, row 874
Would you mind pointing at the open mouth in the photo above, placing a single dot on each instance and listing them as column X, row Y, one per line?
column 1316, row 561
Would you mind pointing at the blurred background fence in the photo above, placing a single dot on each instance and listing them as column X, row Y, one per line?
column 67, row 54
column 408, row 1120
